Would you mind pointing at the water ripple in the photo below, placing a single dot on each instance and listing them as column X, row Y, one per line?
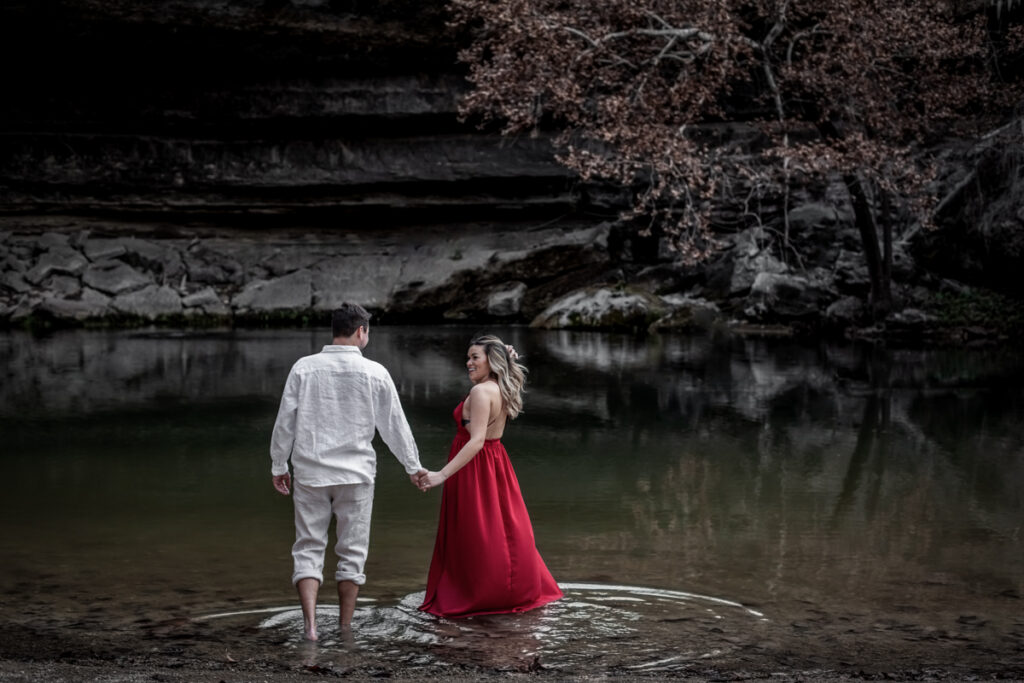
column 595, row 626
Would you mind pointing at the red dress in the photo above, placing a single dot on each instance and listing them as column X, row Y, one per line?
column 485, row 559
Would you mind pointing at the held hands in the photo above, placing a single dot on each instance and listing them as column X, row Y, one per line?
column 425, row 480
column 415, row 478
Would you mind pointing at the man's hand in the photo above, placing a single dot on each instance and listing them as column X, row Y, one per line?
column 415, row 478
column 283, row 483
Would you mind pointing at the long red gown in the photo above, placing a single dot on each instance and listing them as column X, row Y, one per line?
column 485, row 558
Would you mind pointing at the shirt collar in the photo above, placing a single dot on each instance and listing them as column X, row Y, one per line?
column 342, row 348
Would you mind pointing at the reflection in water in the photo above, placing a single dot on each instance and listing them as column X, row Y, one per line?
column 829, row 487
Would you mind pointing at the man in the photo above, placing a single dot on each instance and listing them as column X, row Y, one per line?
column 333, row 401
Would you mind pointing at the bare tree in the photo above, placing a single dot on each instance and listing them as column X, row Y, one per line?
column 852, row 89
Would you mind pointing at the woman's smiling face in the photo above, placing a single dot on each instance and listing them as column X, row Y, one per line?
column 477, row 364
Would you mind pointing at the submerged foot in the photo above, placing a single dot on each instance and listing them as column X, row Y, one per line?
column 309, row 633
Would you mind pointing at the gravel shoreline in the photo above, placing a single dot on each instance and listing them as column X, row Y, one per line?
column 171, row 653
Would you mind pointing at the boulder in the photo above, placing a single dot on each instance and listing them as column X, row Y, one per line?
column 161, row 259
column 63, row 286
column 812, row 215
column 506, row 300
column 97, row 249
column 21, row 252
column 11, row 262
column 115, row 277
column 735, row 270
column 846, row 311
column 51, row 240
column 152, row 302
column 664, row 278
column 24, row 307
column 213, row 273
column 205, row 301
column 602, row 308
column 912, row 316
column 89, row 305
column 777, row 296
column 57, row 259
column 292, row 292
column 687, row 313
column 14, row 282
column 288, row 260
column 851, row 273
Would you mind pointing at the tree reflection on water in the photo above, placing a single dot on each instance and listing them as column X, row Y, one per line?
column 765, row 471
column 841, row 475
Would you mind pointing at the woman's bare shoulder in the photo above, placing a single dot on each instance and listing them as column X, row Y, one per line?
column 487, row 389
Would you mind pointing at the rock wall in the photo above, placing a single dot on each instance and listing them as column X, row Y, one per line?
column 252, row 113
column 230, row 161
column 205, row 161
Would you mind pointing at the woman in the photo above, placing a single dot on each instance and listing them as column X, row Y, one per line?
column 485, row 560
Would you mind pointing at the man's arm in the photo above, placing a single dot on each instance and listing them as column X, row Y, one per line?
column 394, row 428
column 283, row 438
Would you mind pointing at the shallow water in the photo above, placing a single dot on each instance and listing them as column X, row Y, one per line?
column 697, row 498
column 570, row 634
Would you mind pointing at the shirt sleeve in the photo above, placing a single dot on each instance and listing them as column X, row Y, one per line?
column 283, row 438
column 394, row 428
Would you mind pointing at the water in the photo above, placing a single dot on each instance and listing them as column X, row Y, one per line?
column 698, row 499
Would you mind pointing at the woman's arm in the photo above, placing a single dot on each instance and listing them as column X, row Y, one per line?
column 480, row 408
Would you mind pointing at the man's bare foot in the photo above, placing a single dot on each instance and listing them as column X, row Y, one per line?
column 310, row 633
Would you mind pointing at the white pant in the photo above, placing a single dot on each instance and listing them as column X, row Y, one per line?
column 351, row 504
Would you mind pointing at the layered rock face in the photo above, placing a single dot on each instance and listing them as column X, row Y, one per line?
column 241, row 159
column 201, row 161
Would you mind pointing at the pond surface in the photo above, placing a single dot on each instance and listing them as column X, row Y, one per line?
column 698, row 499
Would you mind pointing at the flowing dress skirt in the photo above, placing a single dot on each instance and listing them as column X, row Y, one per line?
column 485, row 560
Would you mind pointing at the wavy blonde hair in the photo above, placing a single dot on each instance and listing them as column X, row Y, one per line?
column 509, row 373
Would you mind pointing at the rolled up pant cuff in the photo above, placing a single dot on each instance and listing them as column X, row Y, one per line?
column 299, row 576
column 358, row 579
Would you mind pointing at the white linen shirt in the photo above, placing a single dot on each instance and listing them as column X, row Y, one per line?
column 333, row 401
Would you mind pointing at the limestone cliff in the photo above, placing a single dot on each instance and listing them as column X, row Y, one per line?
column 205, row 160
column 255, row 159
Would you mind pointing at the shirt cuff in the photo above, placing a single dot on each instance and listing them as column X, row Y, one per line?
column 277, row 470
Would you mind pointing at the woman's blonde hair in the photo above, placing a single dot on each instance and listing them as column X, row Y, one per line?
column 509, row 373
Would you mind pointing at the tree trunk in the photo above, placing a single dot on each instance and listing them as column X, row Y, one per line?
column 880, row 299
column 886, row 211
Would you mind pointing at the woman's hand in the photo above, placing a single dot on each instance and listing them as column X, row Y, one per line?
column 430, row 480
column 511, row 352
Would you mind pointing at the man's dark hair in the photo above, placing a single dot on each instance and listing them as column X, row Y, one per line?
column 348, row 318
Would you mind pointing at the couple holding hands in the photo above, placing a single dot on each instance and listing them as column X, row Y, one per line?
column 485, row 560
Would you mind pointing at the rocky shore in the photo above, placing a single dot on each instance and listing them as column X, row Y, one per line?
column 563, row 274
column 194, row 278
